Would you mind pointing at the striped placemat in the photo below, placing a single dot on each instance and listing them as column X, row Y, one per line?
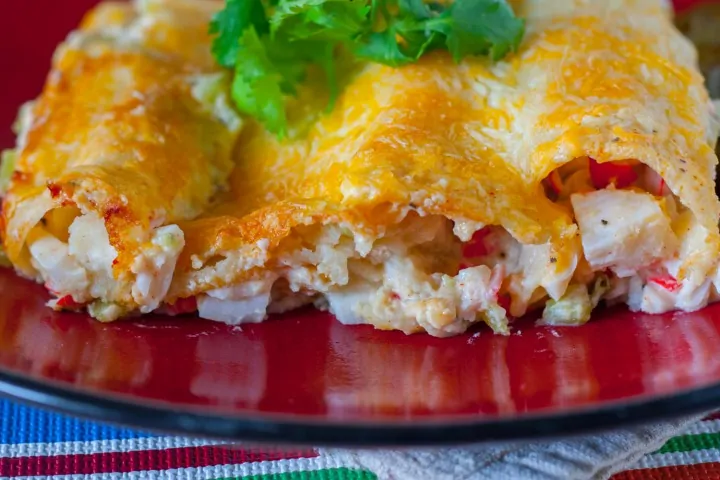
column 693, row 455
column 38, row 444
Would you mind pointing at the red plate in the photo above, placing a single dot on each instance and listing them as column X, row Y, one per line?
column 306, row 378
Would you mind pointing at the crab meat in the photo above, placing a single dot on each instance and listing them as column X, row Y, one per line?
column 616, row 226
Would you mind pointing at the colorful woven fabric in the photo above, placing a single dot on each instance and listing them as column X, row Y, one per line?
column 39, row 444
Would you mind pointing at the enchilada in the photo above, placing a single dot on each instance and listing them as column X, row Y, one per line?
column 131, row 134
column 436, row 195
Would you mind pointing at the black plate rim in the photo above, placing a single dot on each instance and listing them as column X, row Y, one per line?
column 154, row 417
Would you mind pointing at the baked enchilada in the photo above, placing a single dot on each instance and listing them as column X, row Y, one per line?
column 433, row 195
column 131, row 134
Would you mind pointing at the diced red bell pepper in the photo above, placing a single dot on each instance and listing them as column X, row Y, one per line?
column 612, row 173
column 477, row 247
column 182, row 306
column 69, row 303
column 668, row 282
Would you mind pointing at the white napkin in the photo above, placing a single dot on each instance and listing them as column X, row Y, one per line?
column 578, row 458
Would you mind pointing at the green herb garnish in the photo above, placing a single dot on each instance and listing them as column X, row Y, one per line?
column 270, row 44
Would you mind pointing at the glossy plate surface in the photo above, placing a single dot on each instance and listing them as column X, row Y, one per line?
column 305, row 378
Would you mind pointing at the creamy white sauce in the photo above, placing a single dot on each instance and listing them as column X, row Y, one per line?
column 155, row 265
column 62, row 273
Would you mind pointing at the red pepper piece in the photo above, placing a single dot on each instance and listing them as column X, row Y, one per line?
column 668, row 282
column 69, row 303
column 612, row 173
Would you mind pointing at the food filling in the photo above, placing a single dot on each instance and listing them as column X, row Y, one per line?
column 418, row 275
column 635, row 234
column 409, row 280
column 76, row 263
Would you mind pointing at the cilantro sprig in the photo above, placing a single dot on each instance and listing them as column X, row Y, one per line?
column 271, row 44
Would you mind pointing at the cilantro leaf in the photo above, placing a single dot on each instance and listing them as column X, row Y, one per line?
column 383, row 47
column 465, row 27
column 291, row 66
column 328, row 20
column 396, row 47
column 479, row 26
column 257, row 87
column 229, row 25
column 416, row 8
column 403, row 41
column 326, row 59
